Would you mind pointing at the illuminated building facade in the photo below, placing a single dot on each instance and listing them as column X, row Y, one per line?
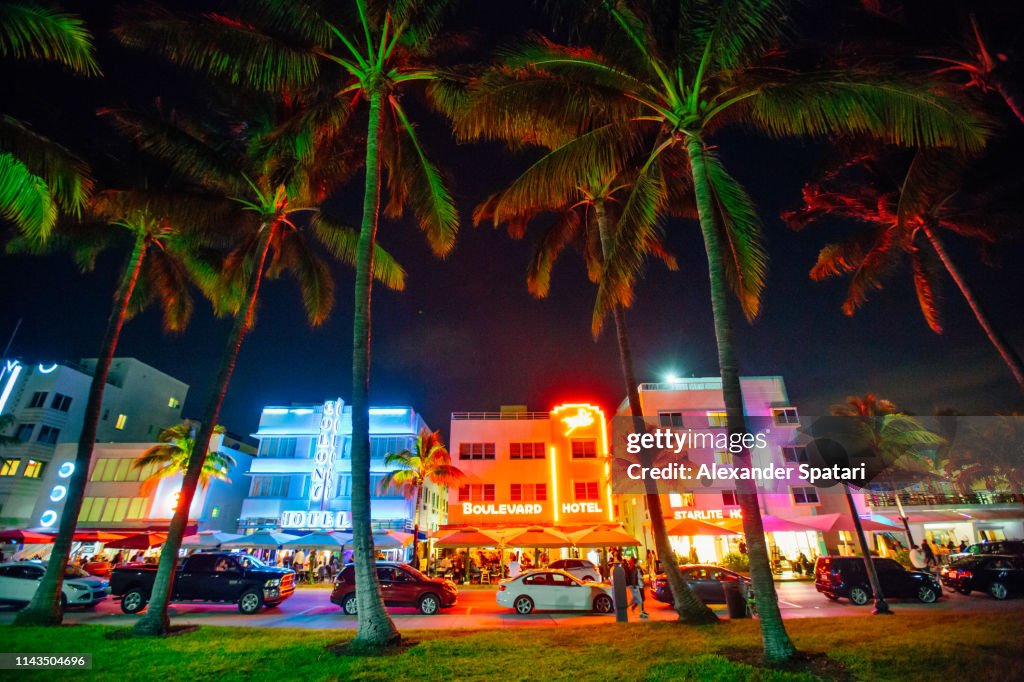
column 47, row 404
column 531, row 468
column 301, row 478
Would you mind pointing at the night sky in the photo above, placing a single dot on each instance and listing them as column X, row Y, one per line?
column 466, row 335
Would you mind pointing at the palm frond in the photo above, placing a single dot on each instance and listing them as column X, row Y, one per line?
column 25, row 199
column 31, row 31
column 67, row 176
column 316, row 286
column 565, row 230
column 342, row 243
column 927, row 273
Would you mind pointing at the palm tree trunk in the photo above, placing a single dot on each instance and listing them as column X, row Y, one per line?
column 156, row 620
column 416, row 525
column 45, row 607
column 777, row 645
column 689, row 608
column 375, row 626
column 881, row 606
column 1009, row 355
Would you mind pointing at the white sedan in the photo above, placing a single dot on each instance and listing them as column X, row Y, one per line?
column 19, row 581
column 554, row 590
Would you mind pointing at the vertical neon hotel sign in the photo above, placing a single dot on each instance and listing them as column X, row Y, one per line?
column 323, row 471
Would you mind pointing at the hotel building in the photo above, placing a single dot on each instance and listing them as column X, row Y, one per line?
column 531, row 468
column 47, row 404
column 301, row 478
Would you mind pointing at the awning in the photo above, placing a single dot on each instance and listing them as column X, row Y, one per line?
column 538, row 536
column 263, row 539
column 141, row 541
column 772, row 524
column 26, row 537
column 320, row 540
column 835, row 522
column 599, row 536
column 469, row 537
column 694, row 527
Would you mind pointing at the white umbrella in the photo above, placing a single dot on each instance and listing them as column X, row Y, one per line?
column 264, row 539
column 319, row 540
column 209, row 539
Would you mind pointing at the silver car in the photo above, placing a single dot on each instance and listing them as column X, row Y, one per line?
column 19, row 581
column 581, row 568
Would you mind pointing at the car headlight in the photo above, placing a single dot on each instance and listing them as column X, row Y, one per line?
column 77, row 588
column 274, row 582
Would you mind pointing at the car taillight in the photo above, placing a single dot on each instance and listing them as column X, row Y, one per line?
column 501, row 588
column 966, row 574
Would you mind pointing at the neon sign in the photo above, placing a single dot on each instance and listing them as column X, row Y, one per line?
column 14, row 367
column 582, row 418
column 323, row 471
column 581, row 508
column 316, row 519
column 500, row 509
column 48, row 518
column 708, row 514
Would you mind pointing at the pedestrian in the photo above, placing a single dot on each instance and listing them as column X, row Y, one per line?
column 635, row 583
column 514, row 569
column 918, row 558
column 743, row 547
column 963, row 545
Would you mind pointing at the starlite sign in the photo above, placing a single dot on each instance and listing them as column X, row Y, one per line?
column 323, row 471
column 581, row 419
column 708, row 514
column 316, row 520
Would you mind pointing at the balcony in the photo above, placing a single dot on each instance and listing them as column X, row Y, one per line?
column 499, row 416
column 927, row 499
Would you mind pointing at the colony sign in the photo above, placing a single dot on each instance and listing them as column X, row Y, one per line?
column 323, row 474
column 316, row 520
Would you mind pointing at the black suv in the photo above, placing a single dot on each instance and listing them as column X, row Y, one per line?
column 847, row 576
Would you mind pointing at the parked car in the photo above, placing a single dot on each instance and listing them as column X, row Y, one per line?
column 211, row 577
column 19, row 581
column 400, row 585
column 847, row 576
column 1000, row 576
column 1003, row 547
column 554, row 590
column 581, row 568
column 704, row 579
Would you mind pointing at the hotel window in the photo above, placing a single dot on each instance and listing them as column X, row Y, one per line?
column 344, row 487
column 718, row 419
column 794, row 453
column 10, row 467
column 34, row 469
column 173, row 403
column 277, row 447
column 137, row 508
column 529, row 492
column 785, row 416
column 61, row 402
column 476, row 450
column 48, row 435
column 723, row 457
column 269, row 486
column 584, row 449
column 382, row 446
column 121, row 420
column 87, row 509
column 586, row 490
column 729, row 498
column 805, row 495
column 670, row 418
column 476, row 492
column 123, row 470
column 526, row 450
column 38, row 399
column 24, row 432
column 677, row 500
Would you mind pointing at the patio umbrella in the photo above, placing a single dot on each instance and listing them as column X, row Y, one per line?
column 264, row 539
column 599, row 536
column 319, row 540
column 834, row 522
column 208, row 539
column 538, row 536
column 691, row 527
column 772, row 524
column 96, row 536
column 146, row 540
column 26, row 537
column 468, row 537
column 388, row 540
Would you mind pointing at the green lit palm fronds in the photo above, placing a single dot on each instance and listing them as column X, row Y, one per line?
column 428, row 460
column 25, row 199
column 30, row 31
column 66, row 176
column 172, row 456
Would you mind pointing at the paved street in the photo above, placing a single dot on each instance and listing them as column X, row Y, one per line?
column 311, row 608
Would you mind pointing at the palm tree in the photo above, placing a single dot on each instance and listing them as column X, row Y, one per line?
column 904, row 214
column 676, row 74
column 342, row 61
column 37, row 175
column 896, row 441
column 241, row 160
column 172, row 456
column 987, row 452
column 585, row 216
column 429, row 460
column 159, row 231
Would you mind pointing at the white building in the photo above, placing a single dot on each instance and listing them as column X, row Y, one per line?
column 47, row 404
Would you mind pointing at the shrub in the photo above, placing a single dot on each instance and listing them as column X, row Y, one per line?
column 735, row 561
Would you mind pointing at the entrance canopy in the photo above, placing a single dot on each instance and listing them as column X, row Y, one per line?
column 26, row 537
column 145, row 540
column 694, row 527
column 834, row 522
column 469, row 537
column 772, row 524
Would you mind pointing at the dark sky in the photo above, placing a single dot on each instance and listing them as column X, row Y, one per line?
column 466, row 335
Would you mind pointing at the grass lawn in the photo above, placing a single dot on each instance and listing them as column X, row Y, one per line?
column 905, row 647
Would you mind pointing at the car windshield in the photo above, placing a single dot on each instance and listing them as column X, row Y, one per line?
column 416, row 574
column 248, row 561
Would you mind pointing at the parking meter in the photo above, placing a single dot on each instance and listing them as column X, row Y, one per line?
column 619, row 594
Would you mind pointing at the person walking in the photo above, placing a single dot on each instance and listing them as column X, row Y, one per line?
column 918, row 559
column 514, row 568
column 929, row 555
column 635, row 583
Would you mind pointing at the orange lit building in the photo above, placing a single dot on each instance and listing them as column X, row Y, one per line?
column 531, row 468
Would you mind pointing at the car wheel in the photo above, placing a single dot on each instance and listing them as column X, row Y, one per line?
column 349, row 606
column 523, row 605
column 603, row 604
column 832, row 597
column 133, row 601
column 859, row 595
column 589, row 578
column 429, row 604
column 927, row 595
column 250, row 602
column 998, row 591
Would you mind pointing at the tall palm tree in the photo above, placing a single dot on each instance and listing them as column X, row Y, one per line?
column 428, row 461
column 896, row 441
column 160, row 232
column 242, row 160
column 174, row 452
column 348, row 63
column 676, row 74
column 37, row 175
column 989, row 453
column 904, row 213
column 586, row 213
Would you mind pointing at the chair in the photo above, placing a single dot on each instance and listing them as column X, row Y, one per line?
column 485, row 576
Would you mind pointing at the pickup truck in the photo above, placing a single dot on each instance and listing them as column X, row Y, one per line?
column 210, row 577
